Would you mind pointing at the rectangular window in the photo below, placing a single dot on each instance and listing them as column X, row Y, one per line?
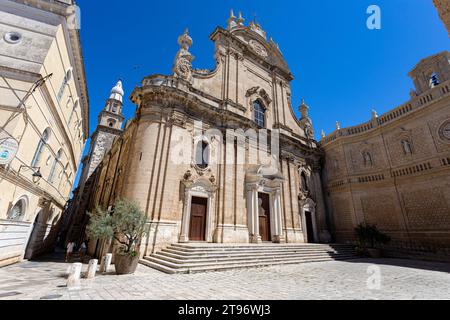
column 259, row 118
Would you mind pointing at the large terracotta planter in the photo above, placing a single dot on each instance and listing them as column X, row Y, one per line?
column 126, row 264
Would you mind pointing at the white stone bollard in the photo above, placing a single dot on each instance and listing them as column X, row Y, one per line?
column 92, row 269
column 106, row 262
column 69, row 268
column 73, row 281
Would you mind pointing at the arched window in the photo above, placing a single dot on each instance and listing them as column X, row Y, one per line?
column 52, row 170
column 259, row 114
column 17, row 212
column 114, row 107
column 406, row 145
column 434, row 80
column 202, row 154
column 42, row 142
column 66, row 79
column 304, row 182
column 74, row 110
column 111, row 123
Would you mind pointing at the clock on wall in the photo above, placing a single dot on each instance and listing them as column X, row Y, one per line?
column 444, row 131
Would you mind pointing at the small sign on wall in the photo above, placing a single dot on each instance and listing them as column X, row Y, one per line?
column 8, row 148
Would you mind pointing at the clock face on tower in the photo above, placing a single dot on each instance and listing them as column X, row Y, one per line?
column 444, row 131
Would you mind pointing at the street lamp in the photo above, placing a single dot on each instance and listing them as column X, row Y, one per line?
column 36, row 172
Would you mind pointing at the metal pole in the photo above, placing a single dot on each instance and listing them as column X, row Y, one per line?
column 33, row 88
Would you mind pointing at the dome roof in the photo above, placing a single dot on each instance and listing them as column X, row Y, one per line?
column 117, row 91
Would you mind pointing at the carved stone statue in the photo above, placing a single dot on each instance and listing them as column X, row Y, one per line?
column 309, row 132
column 182, row 66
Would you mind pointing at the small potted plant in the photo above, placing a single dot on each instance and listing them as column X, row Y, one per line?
column 369, row 239
column 126, row 224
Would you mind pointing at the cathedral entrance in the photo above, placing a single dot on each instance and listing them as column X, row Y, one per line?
column 309, row 227
column 264, row 216
column 197, row 228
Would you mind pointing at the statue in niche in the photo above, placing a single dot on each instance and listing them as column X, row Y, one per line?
column 367, row 158
column 406, row 147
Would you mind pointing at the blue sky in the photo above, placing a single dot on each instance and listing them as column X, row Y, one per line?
column 341, row 68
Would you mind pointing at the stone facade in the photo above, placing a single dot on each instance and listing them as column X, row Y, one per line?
column 44, row 108
column 249, row 191
column 443, row 7
column 394, row 171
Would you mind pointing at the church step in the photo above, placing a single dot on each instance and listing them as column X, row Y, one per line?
column 216, row 267
column 244, row 258
column 195, row 264
column 158, row 266
column 206, row 246
column 248, row 251
column 255, row 248
column 200, row 255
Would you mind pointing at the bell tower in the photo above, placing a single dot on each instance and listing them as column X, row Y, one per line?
column 109, row 126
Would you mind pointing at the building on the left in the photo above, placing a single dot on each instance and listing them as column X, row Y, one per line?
column 44, row 111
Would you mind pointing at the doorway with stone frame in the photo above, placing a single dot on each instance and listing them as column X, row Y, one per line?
column 264, row 213
column 264, row 204
column 197, row 218
column 308, row 220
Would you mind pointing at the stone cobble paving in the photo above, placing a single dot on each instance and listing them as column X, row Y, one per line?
column 400, row 279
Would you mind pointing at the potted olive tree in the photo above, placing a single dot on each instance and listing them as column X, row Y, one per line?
column 369, row 239
column 126, row 224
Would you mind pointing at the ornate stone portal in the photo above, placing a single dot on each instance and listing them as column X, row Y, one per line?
column 197, row 187
column 261, row 179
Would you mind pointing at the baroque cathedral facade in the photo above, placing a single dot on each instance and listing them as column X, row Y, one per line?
column 219, row 156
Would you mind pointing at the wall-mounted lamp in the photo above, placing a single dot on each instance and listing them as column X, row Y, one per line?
column 36, row 172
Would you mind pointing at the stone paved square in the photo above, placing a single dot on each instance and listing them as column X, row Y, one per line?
column 342, row 280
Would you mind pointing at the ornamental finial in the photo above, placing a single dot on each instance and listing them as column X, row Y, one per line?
column 240, row 20
column 231, row 20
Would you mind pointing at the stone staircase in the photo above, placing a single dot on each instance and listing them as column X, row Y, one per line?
column 202, row 257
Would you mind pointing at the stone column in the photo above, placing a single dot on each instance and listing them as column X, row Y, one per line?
column 278, row 217
column 210, row 212
column 184, row 234
column 252, row 212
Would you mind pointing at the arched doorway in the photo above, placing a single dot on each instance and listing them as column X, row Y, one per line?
column 18, row 211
